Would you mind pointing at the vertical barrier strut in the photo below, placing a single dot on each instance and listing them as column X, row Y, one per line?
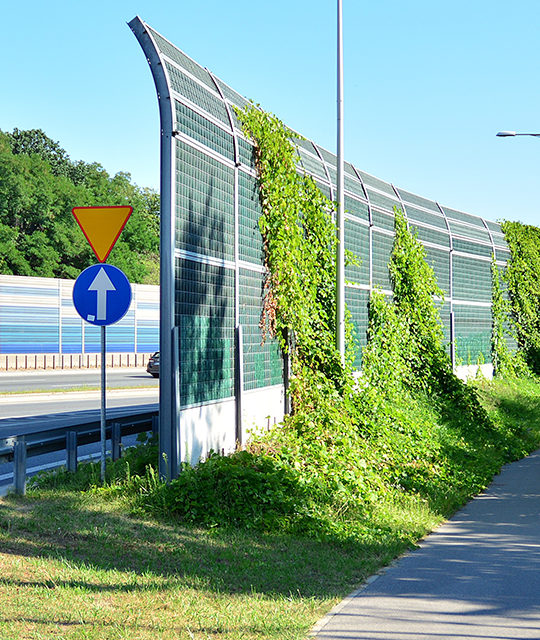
column 239, row 382
column 71, row 451
column 19, row 466
column 116, row 440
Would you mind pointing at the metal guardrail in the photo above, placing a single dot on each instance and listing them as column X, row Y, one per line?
column 18, row 448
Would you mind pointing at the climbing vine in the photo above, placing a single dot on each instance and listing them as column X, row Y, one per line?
column 524, row 288
column 299, row 250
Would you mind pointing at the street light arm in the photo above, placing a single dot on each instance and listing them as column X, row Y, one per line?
column 506, row 134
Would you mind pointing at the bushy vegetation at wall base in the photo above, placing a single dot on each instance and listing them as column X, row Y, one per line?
column 89, row 560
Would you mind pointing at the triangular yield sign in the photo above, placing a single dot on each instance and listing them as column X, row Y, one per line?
column 102, row 226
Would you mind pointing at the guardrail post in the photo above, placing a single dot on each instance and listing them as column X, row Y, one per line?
column 116, row 440
column 155, row 425
column 71, row 451
column 19, row 466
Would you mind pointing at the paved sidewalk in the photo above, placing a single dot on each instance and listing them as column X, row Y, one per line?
column 475, row 577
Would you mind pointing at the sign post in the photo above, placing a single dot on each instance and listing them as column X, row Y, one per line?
column 102, row 293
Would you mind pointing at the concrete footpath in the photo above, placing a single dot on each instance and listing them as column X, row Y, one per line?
column 475, row 577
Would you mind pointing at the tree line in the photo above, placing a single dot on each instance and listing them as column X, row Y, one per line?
column 40, row 184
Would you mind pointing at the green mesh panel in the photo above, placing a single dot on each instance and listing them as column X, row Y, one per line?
column 439, row 261
column 263, row 365
column 472, row 233
column 382, row 220
column 472, row 247
column 464, row 217
column 425, row 217
column 250, row 245
column 204, row 131
column 187, row 87
column 180, row 58
column 471, row 279
column 418, row 201
column 371, row 181
column 384, row 202
column 502, row 254
column 382, row 248
column 354, row 186
column 325, row 189
column 307, row 145
column 499, row 241
column 328, row 157
column 204, row 311
column 444, row 312
column 204, row 204
column 246, row 152
column 333, row 174
column 349, row 169
column 232, row 96
column 494, row 226
column 356, row 208
column 357, row 304
column 472, row 331
column 430, row 235
column 312, row 165
column 357, row 241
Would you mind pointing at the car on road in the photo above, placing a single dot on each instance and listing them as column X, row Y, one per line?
column 153, row 365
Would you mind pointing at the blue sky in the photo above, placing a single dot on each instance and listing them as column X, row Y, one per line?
column 427, row 85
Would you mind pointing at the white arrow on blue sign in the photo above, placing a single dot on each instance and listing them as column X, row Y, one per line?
column 102, row 294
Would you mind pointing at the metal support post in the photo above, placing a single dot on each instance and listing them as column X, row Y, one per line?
column 103, row 401
column 116, row 440
column 340, row 213
column 19, row 466
column 71, row 451
column 239, row 382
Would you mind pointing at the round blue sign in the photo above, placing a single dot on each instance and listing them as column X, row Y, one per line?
column 102, row 294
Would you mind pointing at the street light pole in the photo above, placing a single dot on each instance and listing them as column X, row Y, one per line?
column 340, row 212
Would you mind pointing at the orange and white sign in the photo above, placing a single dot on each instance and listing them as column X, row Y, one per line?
column 102, row 226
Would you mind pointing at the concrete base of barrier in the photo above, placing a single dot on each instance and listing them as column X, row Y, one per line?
column 471, row 371
column 31, row 362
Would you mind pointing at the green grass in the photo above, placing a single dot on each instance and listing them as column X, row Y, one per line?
column 78, row 564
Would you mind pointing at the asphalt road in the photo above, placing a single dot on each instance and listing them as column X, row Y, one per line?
column 14, row 381
column 31, row 410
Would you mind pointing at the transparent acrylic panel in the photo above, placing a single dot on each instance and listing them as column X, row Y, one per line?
column 204, row 204
column 382, row 248
column 250, row 243
column 473, row 247
column 425, row 217
column 371, row 181
column 471, row 279
column 357, row 208
column 184, row 61
column 199, row 128
column 476, row 233
column 419, row 201
column 425, row 234
column 382, row 220
column 439, row 261
column 357, row 241
column 380, row 200
column 197, row 94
